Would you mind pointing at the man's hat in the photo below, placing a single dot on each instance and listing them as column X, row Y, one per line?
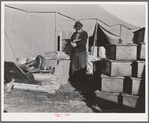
column 78, row 25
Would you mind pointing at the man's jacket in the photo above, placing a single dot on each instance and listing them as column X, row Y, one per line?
column 81, row 45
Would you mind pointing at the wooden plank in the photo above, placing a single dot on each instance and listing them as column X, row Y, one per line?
column 33, row 87
column 9, row 86
column 44, row 77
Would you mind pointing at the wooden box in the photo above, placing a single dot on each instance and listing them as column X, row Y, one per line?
column 111, row 84
column 132, row 85
column 116, row 67
column 138, row 69
column 141, row 51
column 112, row 97
column 132, row 101
column 121, row 52
column 139, row 35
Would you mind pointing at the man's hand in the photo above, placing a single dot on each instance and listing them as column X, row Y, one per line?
column 73, row 44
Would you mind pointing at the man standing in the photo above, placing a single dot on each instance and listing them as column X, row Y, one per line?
column 78, row 54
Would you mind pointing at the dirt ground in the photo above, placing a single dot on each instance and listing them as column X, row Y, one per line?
column 72, row 99
column 66, row 99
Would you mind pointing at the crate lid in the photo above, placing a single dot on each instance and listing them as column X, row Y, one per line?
column 129, row 44
column 133, row 78
column 123, row 61
column 129, row 95
column 140, row 61
column 113, row 77
column 142, row 43
column 96, row 61
column 106, row 93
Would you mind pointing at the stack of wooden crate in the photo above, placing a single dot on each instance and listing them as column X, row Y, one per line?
column 122, row 75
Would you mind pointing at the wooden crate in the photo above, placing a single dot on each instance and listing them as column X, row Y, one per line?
column 116, row 67
column 132, row 100
column 139, row 35
column 141, row 51
column 132, row 85
column 111, row 84
column 138, row 69
column 112, row 97
column 121, row 52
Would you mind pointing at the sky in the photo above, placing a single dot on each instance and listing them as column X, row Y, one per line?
column 133, row 14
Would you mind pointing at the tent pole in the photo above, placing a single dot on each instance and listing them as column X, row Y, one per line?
column 55, row 33
column 95, row 38
column 120, row 40
column 87, row 45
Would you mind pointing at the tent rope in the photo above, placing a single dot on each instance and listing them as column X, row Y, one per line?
column 40, row 12
column 124, row 26
column 59, row 23
column 109, row 25
column 66, row 16
column 16, row 8
column 95, row 19
column 53, row 12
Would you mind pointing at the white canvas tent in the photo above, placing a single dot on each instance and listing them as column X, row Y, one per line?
column 32, row 29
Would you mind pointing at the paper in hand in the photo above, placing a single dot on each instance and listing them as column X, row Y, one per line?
column 76, row 40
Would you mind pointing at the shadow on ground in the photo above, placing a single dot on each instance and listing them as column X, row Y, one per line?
column 87, row 90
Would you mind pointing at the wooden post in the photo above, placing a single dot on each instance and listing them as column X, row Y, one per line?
column 87, row 45
column 55, row 32
column 95, row 38
column 120, row 40
column 61, row 40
